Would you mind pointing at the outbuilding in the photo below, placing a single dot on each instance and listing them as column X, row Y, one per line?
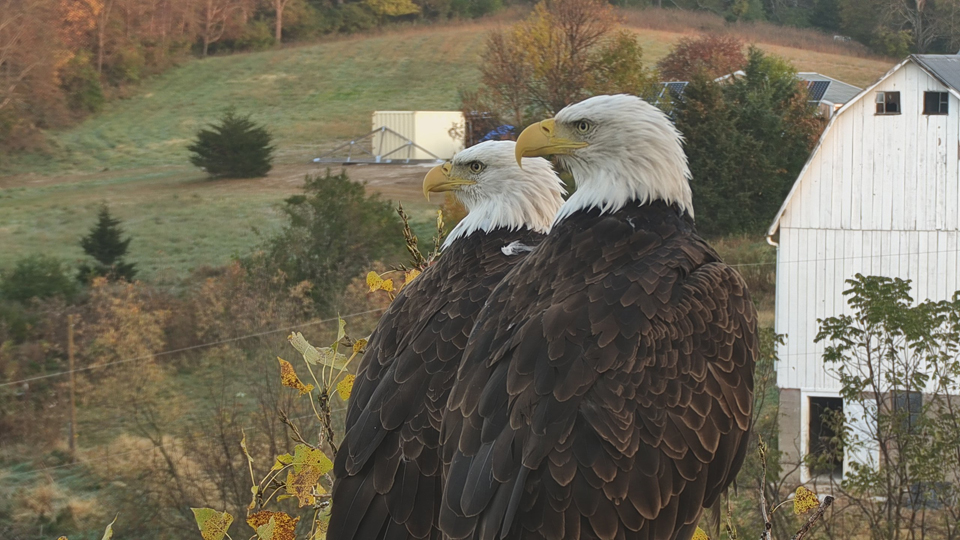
column 878, row 196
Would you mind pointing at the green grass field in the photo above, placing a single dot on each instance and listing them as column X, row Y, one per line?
column 133, row 154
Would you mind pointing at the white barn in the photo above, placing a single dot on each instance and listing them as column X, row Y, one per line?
column 878, row 196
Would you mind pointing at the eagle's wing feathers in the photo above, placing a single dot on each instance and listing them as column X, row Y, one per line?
column 618, row 402
column 388, row 465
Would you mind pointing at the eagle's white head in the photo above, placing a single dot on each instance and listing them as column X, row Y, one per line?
column 618, row 148
column 496, row 192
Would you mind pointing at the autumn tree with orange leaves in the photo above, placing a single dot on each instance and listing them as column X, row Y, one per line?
column 711, row 56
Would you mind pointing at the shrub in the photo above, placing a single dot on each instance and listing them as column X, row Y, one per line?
column 81, row 85
column 234, row 148
column 36, row 276
column 256, row 36
column 356, row 18
column 107, row 249
column 333, row 232
column 125, row 65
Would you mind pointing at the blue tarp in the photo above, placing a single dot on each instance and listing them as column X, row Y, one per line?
column 498, row 134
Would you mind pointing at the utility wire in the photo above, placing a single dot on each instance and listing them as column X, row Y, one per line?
column 239, row 338
column 185, row 349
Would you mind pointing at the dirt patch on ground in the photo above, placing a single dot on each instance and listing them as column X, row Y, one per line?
column 394, row 182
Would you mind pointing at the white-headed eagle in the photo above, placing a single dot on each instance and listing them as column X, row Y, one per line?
column 606, row 391
column 388, row 469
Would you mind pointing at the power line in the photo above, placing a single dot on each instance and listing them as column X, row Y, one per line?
column 829, row 259
column 185, row 349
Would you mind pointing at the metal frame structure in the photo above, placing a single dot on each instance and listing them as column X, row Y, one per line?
column 379, row 156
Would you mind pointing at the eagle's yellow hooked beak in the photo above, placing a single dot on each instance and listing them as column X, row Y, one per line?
column 439, row 179
column 541, row 139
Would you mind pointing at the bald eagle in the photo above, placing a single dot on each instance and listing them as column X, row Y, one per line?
column 388, row 468
column 606, row 390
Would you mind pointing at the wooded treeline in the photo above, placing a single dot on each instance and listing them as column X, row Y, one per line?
column 891, row 27
column 60, row 60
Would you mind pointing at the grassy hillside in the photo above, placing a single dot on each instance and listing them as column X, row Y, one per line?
column 311, row 95
column 133, row 154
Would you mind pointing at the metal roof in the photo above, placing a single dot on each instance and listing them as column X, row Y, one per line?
column 945, row 67
column 834, row 91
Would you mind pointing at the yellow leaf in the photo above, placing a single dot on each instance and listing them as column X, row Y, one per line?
column 342, row 326
column 345, row 386
column 309, row 352
column 213, row 525
column 108, row 532
column 804, row 500
column 284, row 525
column 62, row 538
column 374, row 281
column 410, row 276
column 305, row 456
column 288, row 377
column 359, row 345
column 254, row 491
column 700, row 534
column 301, row 485
column 387, row 285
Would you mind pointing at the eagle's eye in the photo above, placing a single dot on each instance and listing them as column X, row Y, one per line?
column 583, row 126
column 475, row 167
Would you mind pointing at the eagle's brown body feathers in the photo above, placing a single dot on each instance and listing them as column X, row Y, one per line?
column 607, row 388
column 388, row 469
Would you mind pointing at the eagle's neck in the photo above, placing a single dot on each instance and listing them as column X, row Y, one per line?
column 530, row 210
column 610, row 184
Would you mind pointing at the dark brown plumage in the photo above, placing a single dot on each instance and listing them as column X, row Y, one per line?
column 607, row 388
column 388, row 469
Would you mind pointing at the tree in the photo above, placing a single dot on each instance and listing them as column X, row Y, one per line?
column 236, row 147
column 36, row 276
column 391, row 8
column 214, row 16
column 278, row 7
column 712, row 55
column 746, row 140
column 108, row 249
column 30, row 54
column 564, row 51
column 898, row 366
column 333, row 232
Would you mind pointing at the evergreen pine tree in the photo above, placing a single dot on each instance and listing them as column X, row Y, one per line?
column 234, row 148
column 105, row 245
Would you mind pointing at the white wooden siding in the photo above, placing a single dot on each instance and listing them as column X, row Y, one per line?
column 812, row 267
column 881, row 196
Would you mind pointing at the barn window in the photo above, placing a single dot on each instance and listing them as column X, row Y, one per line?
column 888, row 102
column 908, row 406
column 824, row 455
column 935, row 102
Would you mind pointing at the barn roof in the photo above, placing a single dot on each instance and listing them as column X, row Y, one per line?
column 943, row 67
column 823, row 88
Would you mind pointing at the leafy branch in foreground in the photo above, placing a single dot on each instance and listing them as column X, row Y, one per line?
column 305, row 474
column 804, row 501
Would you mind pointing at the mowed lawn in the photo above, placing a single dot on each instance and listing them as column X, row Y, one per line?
column 305, row 95
column 179, row 219
column 133, row 155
